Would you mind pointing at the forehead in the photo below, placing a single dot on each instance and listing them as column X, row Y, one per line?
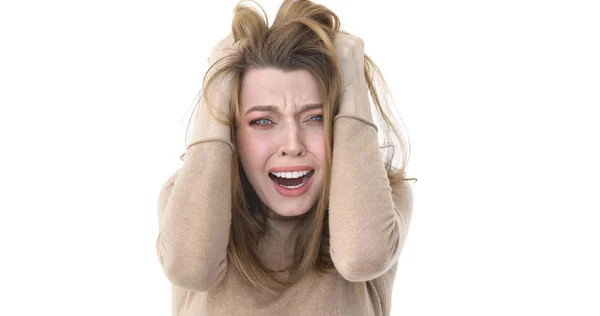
column 269, row 86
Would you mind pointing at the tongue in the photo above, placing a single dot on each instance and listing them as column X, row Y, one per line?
column 289, row 182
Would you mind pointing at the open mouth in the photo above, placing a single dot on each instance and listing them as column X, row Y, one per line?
column 291, row 180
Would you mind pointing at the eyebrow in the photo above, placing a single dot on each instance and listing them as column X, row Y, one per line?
column 272, row 108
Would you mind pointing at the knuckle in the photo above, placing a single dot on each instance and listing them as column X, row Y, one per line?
column 349, row 45
column 357, row 43
column 346, row 51
column 361, row 43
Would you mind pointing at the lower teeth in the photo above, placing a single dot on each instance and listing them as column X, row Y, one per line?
column 304, row 180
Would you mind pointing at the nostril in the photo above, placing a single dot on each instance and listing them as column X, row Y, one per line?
column 292, row 151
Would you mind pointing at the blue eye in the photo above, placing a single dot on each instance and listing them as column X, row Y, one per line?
column 261, row 121
column 316, row 118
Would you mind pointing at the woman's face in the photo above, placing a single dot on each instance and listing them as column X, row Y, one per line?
column 281, row 138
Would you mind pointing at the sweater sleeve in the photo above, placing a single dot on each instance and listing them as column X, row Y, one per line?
column 194, row 215
column 368, row 219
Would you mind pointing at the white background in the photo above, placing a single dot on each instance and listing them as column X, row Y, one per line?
column 500, row 99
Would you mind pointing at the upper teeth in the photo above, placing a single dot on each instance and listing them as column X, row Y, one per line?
column 291, row 175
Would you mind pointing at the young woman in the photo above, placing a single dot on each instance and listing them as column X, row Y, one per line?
column 285, row 203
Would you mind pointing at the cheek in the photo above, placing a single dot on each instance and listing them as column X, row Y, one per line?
column 316, row 145
column 254, row 149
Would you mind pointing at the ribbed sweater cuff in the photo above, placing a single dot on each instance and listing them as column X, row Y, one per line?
column 358, row 119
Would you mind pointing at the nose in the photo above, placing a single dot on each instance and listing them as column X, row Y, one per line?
column 292, row 142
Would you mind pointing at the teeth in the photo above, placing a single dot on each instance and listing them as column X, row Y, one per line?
column 291, row 175
column 292, row 187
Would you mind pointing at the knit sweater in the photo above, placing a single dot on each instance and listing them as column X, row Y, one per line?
column 368, row 222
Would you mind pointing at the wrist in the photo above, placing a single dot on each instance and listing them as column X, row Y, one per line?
column 208, row 127
column 355, row 102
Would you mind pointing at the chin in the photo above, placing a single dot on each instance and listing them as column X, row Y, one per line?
column 296, row 206
column 291, row 211
column 288, row 202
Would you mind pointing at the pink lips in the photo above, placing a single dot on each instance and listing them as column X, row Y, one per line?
column 292, row 192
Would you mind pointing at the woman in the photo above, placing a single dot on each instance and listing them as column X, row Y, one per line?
column 284, row 204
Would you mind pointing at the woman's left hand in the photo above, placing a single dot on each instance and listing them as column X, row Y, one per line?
column 355, row 96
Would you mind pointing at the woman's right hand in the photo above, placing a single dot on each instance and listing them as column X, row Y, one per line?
column 215, row 105
column 220, row 94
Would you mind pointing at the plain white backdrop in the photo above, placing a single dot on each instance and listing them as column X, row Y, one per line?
column 500, row 99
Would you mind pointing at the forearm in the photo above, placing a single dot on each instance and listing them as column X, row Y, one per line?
column 195, row 221
column 364, row 226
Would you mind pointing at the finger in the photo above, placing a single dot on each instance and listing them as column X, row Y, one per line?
column 346, row 45
column 226, row 42
column 360, row 44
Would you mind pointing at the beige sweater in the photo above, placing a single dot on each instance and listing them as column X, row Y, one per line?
column 368, row 223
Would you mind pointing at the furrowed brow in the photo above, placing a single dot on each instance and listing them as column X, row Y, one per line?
column 309, row 107
column 271, row 108
column 263, row 108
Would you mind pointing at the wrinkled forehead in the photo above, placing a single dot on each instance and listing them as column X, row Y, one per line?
column 274, row 87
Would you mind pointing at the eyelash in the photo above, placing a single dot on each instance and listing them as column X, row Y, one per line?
column 256, row 121
column 320, row 116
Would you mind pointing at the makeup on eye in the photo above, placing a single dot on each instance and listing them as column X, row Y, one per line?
column 264, row 121
column 319, row 118
column 309, row 113
column 261, row 121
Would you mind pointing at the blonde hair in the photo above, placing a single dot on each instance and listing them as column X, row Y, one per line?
column 301, row 38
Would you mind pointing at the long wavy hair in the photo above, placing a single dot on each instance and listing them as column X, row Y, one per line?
column 300, row 38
